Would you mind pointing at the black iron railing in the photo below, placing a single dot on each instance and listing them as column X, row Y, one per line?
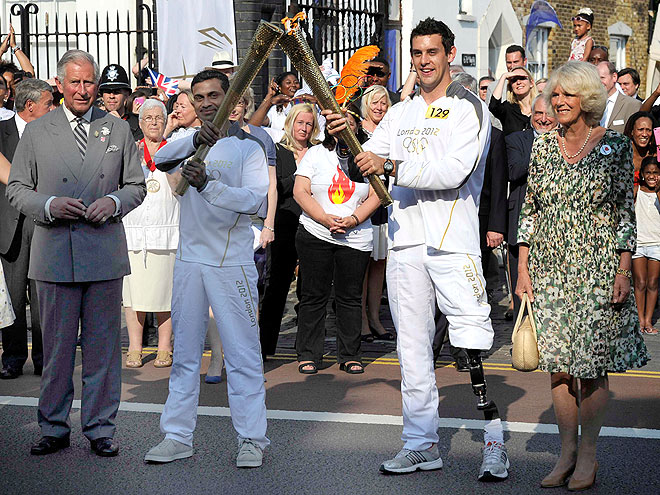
column 120, row 38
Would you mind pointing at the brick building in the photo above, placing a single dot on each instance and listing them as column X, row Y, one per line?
column 620, row 25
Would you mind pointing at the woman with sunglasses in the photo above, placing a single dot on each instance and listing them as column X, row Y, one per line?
column 515, row 112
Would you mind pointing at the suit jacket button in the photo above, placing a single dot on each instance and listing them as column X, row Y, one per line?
column 64, row 180
column 102, row 176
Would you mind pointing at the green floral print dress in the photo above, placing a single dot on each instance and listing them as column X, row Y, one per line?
column 576, row 219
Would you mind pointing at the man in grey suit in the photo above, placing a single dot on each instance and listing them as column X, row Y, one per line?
column 75, row 173
column 619, row 106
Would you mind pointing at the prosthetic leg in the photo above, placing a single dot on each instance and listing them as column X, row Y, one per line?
column 496, row 462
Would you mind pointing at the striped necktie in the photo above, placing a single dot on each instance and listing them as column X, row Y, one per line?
column 81, row 136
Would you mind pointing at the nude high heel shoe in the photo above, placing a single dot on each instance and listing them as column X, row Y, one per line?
column 557, row 480
column 584, row 484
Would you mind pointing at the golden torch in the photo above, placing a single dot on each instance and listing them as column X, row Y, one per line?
column 265, row 38
column 296, row 47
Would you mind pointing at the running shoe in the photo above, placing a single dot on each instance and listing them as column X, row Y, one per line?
column 409, row 461
column 167, row 451
column 249, row 455
column 495, row 464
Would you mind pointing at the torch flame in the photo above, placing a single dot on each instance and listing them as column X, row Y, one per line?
column 341, row 189
column 291, row 24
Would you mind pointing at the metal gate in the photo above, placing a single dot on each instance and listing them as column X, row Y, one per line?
column 119, row 38
column 339, row 27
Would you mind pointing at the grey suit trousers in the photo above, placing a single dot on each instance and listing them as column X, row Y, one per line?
column 97, row 306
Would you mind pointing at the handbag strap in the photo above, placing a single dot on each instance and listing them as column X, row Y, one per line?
column 524, row 306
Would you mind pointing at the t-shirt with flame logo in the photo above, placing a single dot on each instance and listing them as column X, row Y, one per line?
column 341, row 189
column 337, row 195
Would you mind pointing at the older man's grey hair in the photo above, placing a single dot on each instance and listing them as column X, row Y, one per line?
column 76, row 56
column 29, row 89
column 465, row 80
column 153, row 103
column 537, row 98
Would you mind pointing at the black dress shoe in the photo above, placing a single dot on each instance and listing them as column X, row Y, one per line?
column 49, row 445
column 104, row 447
column 10, row 373
column 462, row 364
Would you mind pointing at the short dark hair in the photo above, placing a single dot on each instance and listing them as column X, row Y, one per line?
column 209, row 74
column 486, row 78
column 610, row 66
column 634, row 75
column 514, row 49
column 381, row 60
column 431, row 26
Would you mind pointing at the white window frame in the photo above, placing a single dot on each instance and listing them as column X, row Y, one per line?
column 537, row 52
column 618, row 50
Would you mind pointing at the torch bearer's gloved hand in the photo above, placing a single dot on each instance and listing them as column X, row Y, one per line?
column 195, row 173
column 334, row 122
column 208, row 134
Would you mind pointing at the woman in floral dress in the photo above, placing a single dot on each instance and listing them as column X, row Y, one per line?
column 576, row 236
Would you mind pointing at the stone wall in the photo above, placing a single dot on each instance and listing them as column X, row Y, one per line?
column 634, row 13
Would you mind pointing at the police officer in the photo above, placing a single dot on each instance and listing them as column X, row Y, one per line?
column 115, row 90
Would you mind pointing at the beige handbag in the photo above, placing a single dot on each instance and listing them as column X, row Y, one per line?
column 525, row 352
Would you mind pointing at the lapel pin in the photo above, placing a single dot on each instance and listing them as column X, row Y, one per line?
column 103, row 139
column 96, row 134
column 105, row 131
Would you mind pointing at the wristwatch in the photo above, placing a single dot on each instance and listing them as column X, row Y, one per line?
column 15, row 49
column 388, row 167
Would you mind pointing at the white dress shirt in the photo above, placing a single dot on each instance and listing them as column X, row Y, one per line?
column 611, row 100
column 20, row 125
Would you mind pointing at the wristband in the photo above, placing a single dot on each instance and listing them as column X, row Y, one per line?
column 269, row 228
column 357, row 221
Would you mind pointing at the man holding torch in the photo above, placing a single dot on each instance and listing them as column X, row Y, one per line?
column 434, row 145
column 215, row 267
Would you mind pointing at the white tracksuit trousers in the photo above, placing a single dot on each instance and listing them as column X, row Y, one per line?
column 417, row 277
column 231, row 292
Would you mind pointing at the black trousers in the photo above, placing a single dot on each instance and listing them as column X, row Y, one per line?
column 513, row 272
column 15, row 264
column 281, row 263
column 321, row 263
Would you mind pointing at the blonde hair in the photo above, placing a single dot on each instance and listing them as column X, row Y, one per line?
column 375, row 92
column 248, row 98
column 287, row 140
column 188, row 93
column 580, row 79
column 511, row 96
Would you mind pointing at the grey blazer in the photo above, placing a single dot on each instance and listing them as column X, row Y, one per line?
column 47, row 163
column 624, row 107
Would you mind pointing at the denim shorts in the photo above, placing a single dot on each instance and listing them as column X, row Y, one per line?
column 650, row 252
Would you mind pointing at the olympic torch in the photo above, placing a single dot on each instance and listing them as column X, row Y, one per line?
column 265, row 38
column 296, row 47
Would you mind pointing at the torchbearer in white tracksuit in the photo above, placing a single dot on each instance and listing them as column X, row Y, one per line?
column 215, row 267
column 434, row 144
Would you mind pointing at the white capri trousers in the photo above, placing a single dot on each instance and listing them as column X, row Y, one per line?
column 231, row 293
column 417, row 277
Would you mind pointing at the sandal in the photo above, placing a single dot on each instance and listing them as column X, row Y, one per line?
column 650, row 331
column 382, row 336
column 312, row 369
column 352, row 367
column 367, row 338
column 134, row 359
column 163, row 359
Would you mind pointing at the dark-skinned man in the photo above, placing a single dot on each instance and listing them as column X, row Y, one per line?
column 215, row 266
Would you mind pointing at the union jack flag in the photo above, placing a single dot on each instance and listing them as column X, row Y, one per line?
column 170, row 86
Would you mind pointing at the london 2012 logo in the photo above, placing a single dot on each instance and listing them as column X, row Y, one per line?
column 341, row 188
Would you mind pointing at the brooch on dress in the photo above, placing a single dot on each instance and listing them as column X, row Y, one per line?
column 605, row 149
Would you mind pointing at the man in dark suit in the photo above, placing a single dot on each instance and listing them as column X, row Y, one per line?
column 75, row 172
column 33, row 99
column 518, row 151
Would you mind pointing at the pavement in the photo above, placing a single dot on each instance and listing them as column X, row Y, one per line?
column 331, row 431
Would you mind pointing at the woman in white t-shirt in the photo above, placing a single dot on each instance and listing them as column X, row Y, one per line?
column 334, row 242
column 646, row 260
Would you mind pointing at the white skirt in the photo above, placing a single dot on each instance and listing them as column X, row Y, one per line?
column 379, row 251
column 149, row 286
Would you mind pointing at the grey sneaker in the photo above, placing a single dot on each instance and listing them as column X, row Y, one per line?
column 495, row 464
column 167, row 451
column 408, row 461
column 249, row 455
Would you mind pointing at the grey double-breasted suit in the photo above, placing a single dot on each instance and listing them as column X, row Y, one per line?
column 78, row 265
